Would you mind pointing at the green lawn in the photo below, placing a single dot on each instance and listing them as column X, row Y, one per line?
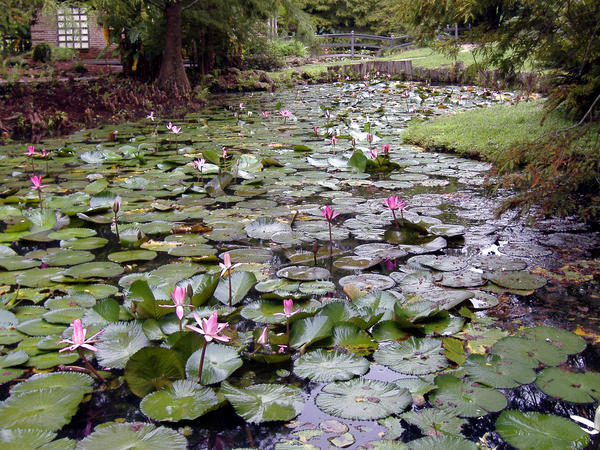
column 485, row 132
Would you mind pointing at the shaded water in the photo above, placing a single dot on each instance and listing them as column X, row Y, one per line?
column 443, row 187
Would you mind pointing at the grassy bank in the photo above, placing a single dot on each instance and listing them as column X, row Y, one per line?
column 485, row 133
column 559, row 172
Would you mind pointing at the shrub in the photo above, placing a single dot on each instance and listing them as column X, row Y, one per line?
column 290, row 47
column 63, row 54
column 42, row 52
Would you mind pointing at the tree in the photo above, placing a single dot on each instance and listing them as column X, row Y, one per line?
column 562, row 38
column 15, row 19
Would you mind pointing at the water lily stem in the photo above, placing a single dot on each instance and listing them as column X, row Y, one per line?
column 330, row 241
column 229, row 278
column 89, row 366
column 201, row 362
column 287, row 331
column 39, row 191
column 117, row 228
column 395, row 220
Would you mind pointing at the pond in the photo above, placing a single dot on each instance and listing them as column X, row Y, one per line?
column 279, row 271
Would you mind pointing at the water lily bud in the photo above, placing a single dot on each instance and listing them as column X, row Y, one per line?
column 189, row 291
column 116, row 205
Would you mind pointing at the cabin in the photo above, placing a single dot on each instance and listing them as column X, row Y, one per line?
column 71, row 27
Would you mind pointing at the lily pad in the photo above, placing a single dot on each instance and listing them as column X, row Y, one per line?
column 521, row 280
column 465, row 399
column 569, row 386
column 264, row 402
column 241, row 283
column 94, row 270
column 132, row 255
column 152, row 368
column 119, row 342
column 445, row 442
column 434, row 422
column 323, row 366
column 533, row 430
column 265, row 228
column 362, row 399
column 495, row 372
column 304, row 273
column 220, row 361
column 414, row 356
column 141, row 436
column 184, row 399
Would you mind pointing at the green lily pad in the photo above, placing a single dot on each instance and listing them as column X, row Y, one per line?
column 434, row 421
column 317, row 287
column 184, row 399
column 442, row 263
column 51, row 359
column 521, row 280
column 495, row 372
column 141, row 436
column 132, row 255
column 26, row 438
column 263, row 311
column 17, row 262
column 69, row 301
column 249, row 255
column 241, row 283
column 309, row 330
column 63, row 315
column 368, row 282
column 533, row 431
column 445, row 442
column 66, row 257
column 90, row 243
column 72, row 233
column 264, row 228
column 356, row 262
column 361, row 399
column 414, row 356
column 152, row 368
column 55, row 380
column 94, row 270
column 349, row 337
column 264, row 402
column 220, row 361
column 45, row 409
column 323, row 366
column 119, row 342
column 465, row 399
column 304, row 273
column 39, row 327
column 569, row 386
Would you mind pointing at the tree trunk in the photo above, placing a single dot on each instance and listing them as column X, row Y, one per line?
column 172, row 77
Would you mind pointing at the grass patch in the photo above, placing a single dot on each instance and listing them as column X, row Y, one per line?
column 485, row 133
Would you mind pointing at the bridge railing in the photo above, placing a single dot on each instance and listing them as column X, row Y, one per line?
column 358, row 41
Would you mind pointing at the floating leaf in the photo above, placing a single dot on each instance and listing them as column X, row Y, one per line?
column 569, row 386
column 495, row 372
column 152, row 368
column 361, row 399
column 414, row 356
column 241, row 283
column 55, row 380
column 309, row 330
column 434, row 422
column 141, row 436
column 465, row 399
column 220, row 361
column 533, row 431
column 184, row 399
column 304, row 273
column 264, row 402
column 520, row 280
column 445, row 442
column 324, row 366
column 119, row 342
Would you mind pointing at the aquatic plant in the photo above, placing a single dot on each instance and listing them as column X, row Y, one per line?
column 393, row 203
column 211, row 330
column 288, row 311
column 329, row 215
column 79, row 342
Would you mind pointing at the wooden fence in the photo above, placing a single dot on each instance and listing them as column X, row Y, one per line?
column 357, row 42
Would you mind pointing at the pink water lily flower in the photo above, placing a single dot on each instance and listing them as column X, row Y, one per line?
column 369, row 138
column 78, row 338
column 265, row 114
column 226, row 265
column 385, row 149
column 150, row 116
column 37, row 182
column 178, row 297
column 263, row 339
column 210, row 328
column 241, row 106
column 223, row 153
column 394, row 203
column 373, row 154
column 316, row 130
column 200, row 164
column 333, row 140
column 30, row 151
column 169, row 126
column 328, row 213
column 288, row 306
column 285, row 113
column 175, row 129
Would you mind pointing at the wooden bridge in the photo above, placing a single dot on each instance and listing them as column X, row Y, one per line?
column 359, row 42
